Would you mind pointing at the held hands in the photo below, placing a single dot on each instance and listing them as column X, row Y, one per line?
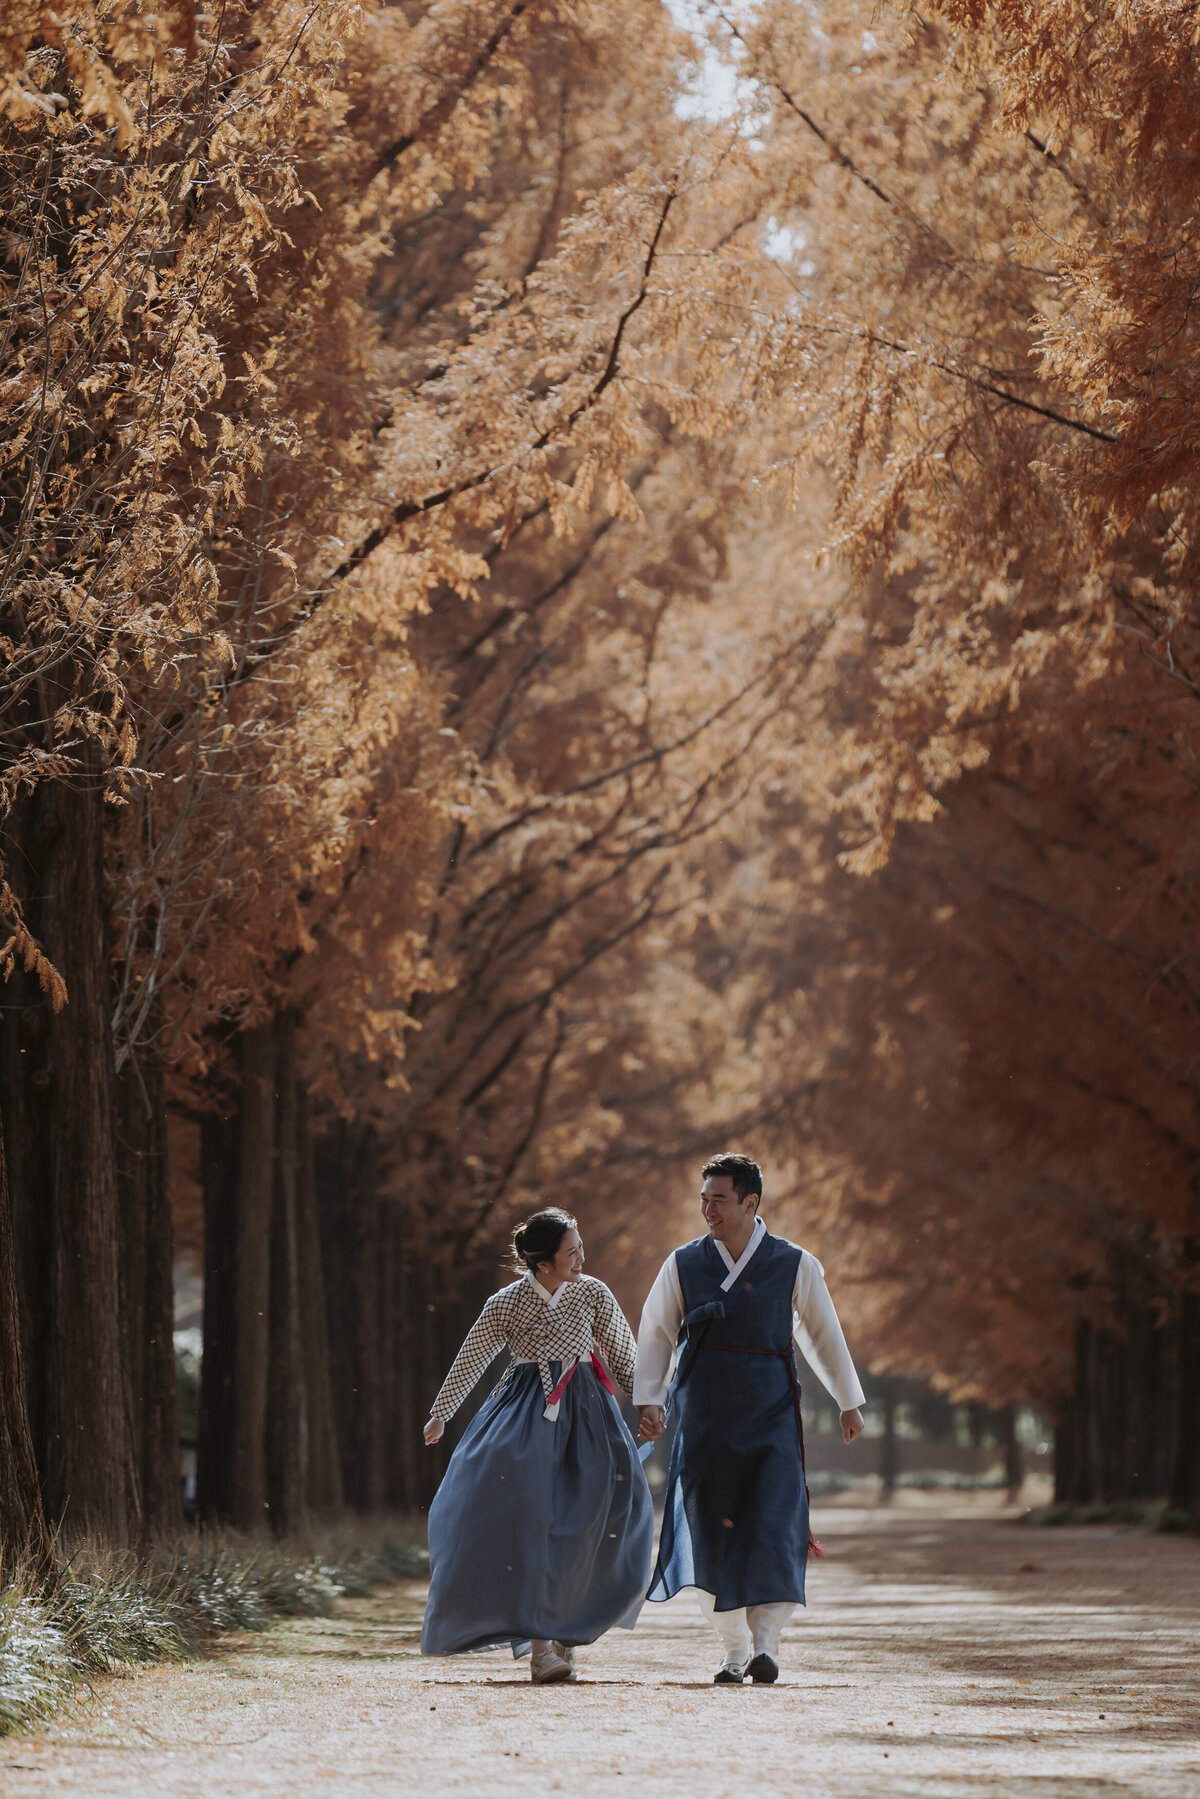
column 652, row 1422
column 852, row 1423
column 435, row 1427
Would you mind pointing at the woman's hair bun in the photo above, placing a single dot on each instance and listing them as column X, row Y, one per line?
column 538, row 1239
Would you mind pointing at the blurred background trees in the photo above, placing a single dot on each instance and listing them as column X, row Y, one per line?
column 553, row 625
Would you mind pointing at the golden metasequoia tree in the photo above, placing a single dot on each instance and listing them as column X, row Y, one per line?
column 985, row 220
column 321, row 320
column 546, row 635
column 206, row 416
column 146, row 175
column 607, row 708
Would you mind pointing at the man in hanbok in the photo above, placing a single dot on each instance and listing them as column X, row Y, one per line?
column 730, row 1310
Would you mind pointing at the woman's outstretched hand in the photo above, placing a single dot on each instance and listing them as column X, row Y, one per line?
column 433, row 1431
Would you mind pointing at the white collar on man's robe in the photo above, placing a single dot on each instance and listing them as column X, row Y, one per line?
column 735, row 1268
column 551, row 1299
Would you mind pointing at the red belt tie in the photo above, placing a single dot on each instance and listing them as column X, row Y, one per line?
column 568, row 1375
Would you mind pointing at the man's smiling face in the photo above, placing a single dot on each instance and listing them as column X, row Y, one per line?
column 724, row 1213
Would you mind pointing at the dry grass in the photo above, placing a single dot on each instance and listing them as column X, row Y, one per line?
column 100, row 1611
column 1156, row 1514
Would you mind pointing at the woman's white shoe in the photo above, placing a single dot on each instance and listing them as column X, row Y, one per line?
column 547, row 1668
column 566, row 1653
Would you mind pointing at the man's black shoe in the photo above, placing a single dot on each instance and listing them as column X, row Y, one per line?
column 763, row 1670
column 726, row 1676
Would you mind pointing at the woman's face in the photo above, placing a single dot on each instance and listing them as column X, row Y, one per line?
column 568, row 1261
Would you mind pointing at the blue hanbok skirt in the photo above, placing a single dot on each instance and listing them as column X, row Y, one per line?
column 538, row 1529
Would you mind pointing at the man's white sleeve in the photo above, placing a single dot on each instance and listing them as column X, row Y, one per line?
column 662, row 1316
column 819, row 1336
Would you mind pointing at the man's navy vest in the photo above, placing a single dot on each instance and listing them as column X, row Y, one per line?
column 735, row 1522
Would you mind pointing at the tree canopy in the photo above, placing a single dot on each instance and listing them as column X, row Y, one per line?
column 554, row 626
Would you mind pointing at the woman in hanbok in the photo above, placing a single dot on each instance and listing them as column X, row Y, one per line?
column 541, row 1532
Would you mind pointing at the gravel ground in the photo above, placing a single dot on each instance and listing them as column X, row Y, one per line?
column 944, row 1653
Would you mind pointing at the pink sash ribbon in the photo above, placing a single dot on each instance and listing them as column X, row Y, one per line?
column 567, row 1376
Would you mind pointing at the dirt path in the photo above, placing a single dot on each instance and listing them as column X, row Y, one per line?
column 942, row 1655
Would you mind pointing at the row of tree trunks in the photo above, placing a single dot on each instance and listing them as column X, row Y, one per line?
column 257, row 1173
column 326, row 1331
column 268, row 1452
column 219, row 1160
column 982, row 1422
column 22, row 1518
column 87, row 1212
column 1014, row 1461
column 325, row 1486
column 395, row 1323
column 147, row 1291
column 889, row 1448
column 288, row 1448
column 1185, row 1477
column 1128, row 1431
column 353, row 1256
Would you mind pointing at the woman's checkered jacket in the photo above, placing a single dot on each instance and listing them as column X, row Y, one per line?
column 543, row 1328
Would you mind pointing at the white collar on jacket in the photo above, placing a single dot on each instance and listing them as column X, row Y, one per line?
column 551, row 1299
column 735, row 1268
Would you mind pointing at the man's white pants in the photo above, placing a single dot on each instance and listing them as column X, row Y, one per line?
column 750, row 1630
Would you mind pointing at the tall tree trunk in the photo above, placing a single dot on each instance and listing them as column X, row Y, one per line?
column 287, row 1411
column 430, row 1370
column 60, row 1106
column 22, row 1520
column 1089, row 1474
column 252, row 1271
column 25, row 1087
column 1071, row 1480
column 348, row 1206
column 1184, row 1489
column 407, row 1420
column 219, row 1135
column 324, row 1465
column 977, row 1423
column 1014, row 1466
column 411, row 1416
column 889, row 1449
column 148, row 1286
column 1064, row 1452
column 1146, row 1342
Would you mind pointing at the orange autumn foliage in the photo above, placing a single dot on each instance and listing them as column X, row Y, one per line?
column 636, row 630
